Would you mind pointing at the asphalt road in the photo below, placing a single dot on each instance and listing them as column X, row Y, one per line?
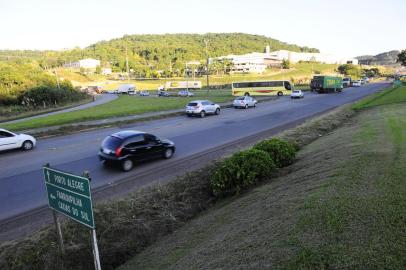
column 21, row 181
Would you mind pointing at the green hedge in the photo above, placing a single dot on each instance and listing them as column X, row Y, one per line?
column 241, row 170
column 281, row 152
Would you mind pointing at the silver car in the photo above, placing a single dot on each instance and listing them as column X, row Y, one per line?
column 185, row 93
column 201, row 108
column 244, row 102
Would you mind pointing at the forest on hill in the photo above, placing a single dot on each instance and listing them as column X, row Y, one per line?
column 167, row 53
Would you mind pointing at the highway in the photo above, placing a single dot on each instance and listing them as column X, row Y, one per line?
column 21, row 180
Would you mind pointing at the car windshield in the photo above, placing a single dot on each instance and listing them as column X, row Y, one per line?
column 111, row 142
column 296, row 91
column 192, row 104
column 240, row 98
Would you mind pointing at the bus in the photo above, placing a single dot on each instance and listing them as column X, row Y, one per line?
column 262, row 88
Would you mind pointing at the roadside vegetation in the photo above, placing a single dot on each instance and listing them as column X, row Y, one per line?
column 27, row 89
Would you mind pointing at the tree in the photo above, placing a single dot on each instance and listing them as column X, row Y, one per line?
column 285, row 64
column 402, row 58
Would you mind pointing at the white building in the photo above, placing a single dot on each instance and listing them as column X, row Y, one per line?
column 295, row 57
column 258, row 62
column 87, row 63
column 250, row 63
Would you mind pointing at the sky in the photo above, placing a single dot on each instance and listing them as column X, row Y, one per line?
column 345, row 27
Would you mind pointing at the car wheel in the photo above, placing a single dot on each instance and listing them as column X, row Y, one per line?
column 246, row 106
column 27, row 145
column 168, row 153
column 255, row 105
column 217, row 112
column 189, row 115
column 202, row 114
column 127, row 165
column 280, row 93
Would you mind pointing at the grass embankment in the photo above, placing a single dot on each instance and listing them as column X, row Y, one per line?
column 124, row 105
column 342, row 205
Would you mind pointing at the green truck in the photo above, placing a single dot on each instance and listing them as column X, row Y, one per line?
column 326, row 84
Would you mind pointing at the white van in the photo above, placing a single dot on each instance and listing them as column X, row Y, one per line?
column 127, row 89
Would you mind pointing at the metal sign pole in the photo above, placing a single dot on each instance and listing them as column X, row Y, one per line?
column 95, row 250
column 59, row 232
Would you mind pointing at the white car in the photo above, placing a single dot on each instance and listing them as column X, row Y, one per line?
column 297, row 94
column 357, row 83
column 201, row 108
column 10, row 140
column 185, row 93
column 144, row 93
column 244, row 102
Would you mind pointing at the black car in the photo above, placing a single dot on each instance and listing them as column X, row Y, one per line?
column 126, row 147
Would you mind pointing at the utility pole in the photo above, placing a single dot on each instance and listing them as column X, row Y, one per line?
column 57, row 79
column 207, row 67
column 126, row 64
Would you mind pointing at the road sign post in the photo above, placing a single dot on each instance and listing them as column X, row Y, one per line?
column 70, row 195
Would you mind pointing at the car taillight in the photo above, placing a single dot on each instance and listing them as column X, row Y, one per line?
column 118, row 151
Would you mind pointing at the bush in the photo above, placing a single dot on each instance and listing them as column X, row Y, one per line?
column 281, row 152
column 241, row 170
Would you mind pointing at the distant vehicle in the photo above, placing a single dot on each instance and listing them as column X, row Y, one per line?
column 10, row 140
column 144, row 93
column 346, row 82
column 357, row 83
column 244, row 102
column 127, row 89
column 94, row 89
column 262, row 88
column 297, row 94
column 127, row 147
column 201, row 108
column 183, row 85
column 365, row 79
column 326, row 84
column 163, row 94
column 185, row 93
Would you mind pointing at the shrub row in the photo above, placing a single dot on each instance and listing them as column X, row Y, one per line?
column 245, row 168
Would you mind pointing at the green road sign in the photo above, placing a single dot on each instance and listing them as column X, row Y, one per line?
column 70, row 195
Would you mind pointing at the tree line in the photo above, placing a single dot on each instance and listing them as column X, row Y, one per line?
column 157, row 55
column 27, row 84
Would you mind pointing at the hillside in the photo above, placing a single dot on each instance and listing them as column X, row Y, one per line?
column 386, row 58
column 167, row 52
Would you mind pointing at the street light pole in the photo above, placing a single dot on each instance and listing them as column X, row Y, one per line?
column 207, row 67
column 187, row 77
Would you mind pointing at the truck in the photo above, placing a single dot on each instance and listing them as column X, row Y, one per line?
column 126, row 89
column 177, row 85
column 326, row 84
column 347, row 82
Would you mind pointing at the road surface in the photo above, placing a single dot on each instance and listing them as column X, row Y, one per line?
column 21, row 180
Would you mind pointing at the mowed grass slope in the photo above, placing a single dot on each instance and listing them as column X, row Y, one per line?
column 342, row 205
column 124, row 105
